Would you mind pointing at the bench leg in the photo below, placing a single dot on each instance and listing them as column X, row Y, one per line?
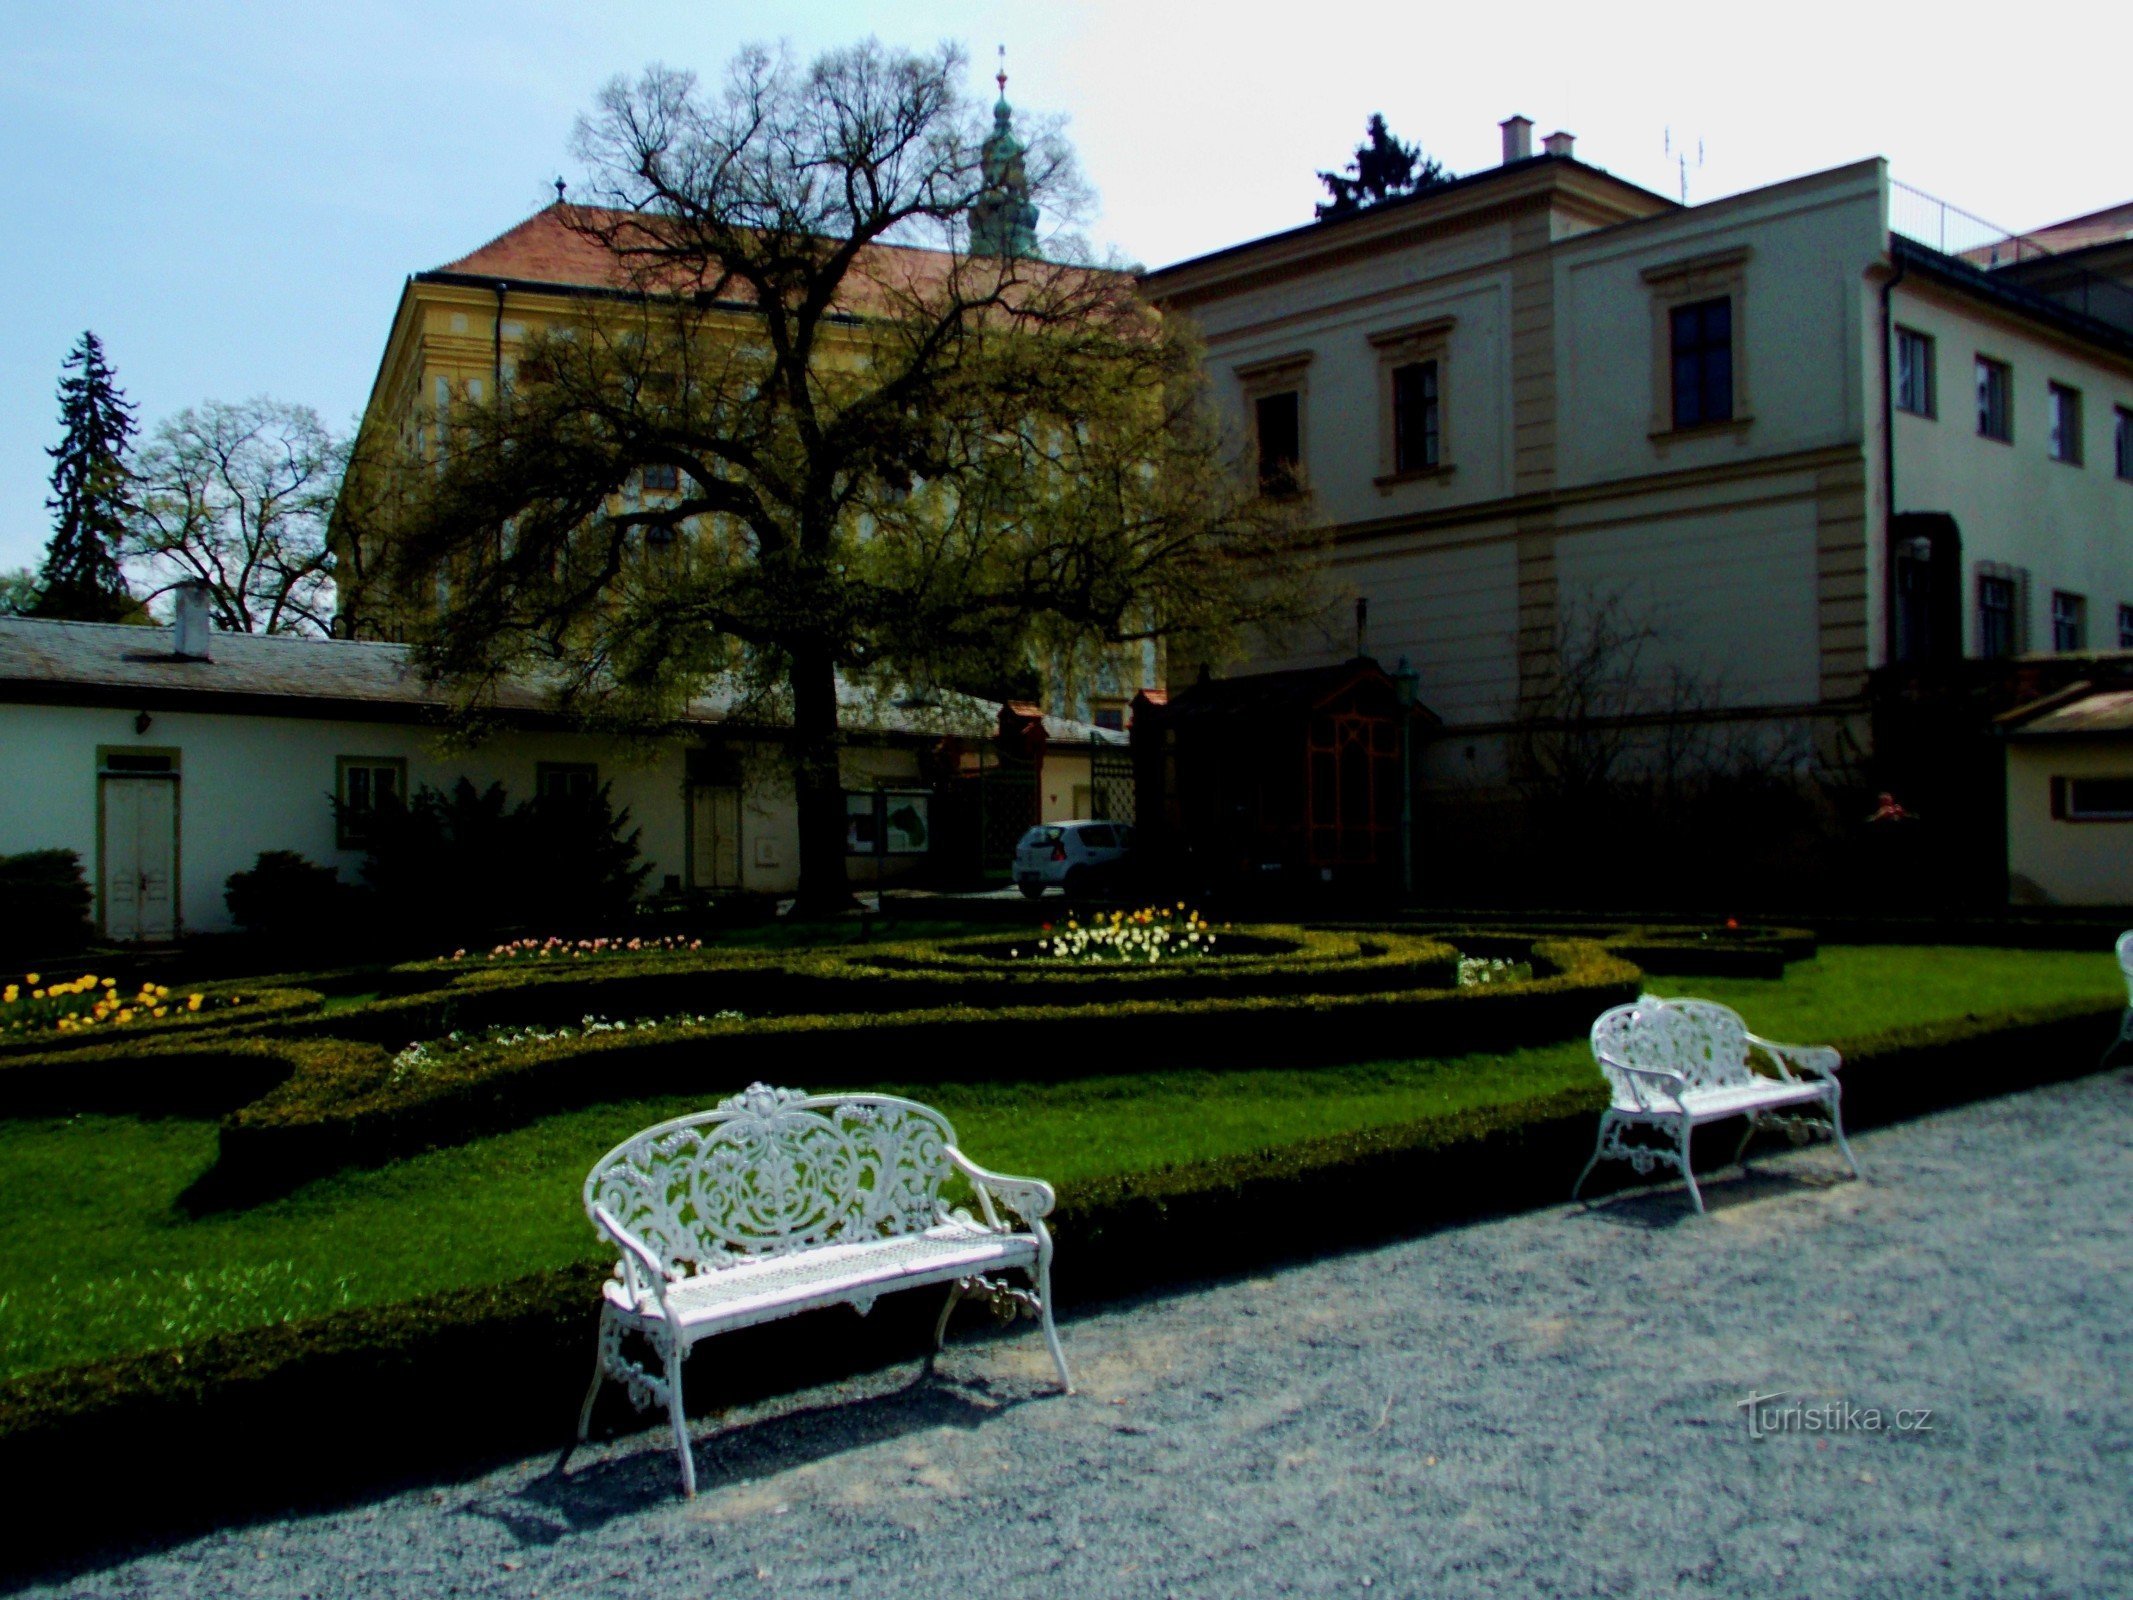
column 1041, row 1275
column 940, row 1327
column 1836, row 1128
column 1688, row 1173
column 680, row 1419
column 592, row 1394
column 1599, row 1146
column 1747, row 1133
column 2125, row 1038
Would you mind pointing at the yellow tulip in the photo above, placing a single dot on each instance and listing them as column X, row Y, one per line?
column 192, row 1003
column 31, row 978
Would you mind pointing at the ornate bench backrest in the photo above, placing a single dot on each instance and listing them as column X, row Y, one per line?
column 772, row 1171
column 1704, row 1042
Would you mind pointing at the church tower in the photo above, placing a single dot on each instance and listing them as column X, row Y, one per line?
column 1003, row 221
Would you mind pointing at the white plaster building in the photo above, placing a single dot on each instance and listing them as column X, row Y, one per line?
column 1543, row 295
column 169, row 764
column 1755, row 427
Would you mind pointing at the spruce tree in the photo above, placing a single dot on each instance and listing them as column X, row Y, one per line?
column 81, row 581
column 1383, row 169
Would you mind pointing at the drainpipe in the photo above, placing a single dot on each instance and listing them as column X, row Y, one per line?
column 496, row 373
column 1888, row 457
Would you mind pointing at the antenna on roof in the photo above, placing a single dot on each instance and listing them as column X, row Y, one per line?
column 1681, row 159
column 560, row 186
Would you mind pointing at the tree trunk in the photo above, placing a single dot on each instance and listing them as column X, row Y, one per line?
column 818, row 785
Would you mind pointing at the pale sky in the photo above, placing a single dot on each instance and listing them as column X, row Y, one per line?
column 231, row 194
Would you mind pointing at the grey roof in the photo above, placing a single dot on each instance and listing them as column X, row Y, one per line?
column 2105, row 711
column 113, row 663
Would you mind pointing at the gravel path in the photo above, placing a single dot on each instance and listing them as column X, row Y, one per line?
column 1542, row 1404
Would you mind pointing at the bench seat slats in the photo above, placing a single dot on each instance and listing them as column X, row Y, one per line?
column 831, row 1275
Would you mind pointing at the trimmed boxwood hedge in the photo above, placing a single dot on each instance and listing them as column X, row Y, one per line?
column 968, row 973
column 353, row 1109
column 208, row 1422
column 235, row 1010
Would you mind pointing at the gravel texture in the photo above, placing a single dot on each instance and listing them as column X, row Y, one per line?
column 1542, row 1404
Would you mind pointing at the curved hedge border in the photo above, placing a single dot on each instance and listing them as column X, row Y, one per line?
column 329, row 1103
column 208, row 1421
column 244, row 1009
column 970, row 973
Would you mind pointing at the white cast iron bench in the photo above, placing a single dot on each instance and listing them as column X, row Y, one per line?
column 780, row 1202
column 1677, row 1064
column 2125, row 966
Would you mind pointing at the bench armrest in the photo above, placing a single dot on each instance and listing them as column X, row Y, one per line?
column 1816, row 1060
column 638, row 1262
column 1031, row 1199
column 1649, row 1083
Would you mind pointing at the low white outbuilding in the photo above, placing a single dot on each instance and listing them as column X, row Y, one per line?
column 169, row 758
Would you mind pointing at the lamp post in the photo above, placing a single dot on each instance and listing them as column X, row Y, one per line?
column 1405, row 682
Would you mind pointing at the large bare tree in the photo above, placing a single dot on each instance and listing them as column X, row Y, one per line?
column 238, row 497
column 894, row 459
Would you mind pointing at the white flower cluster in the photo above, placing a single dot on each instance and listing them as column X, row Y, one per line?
column 1148, row 935
column 424, row 1053
column 1475, row 971
column 552, row 949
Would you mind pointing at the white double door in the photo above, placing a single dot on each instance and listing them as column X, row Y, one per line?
column 140, row 856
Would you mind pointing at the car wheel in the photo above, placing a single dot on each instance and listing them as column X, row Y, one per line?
column 1032, row 891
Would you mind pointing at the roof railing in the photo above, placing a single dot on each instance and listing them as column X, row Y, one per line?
column 1966, row 237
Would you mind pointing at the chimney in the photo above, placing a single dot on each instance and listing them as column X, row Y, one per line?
column 1559, row 144
column 189, row 634
column 1517, row 138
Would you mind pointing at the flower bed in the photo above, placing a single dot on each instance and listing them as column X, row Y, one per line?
column 92, row 1013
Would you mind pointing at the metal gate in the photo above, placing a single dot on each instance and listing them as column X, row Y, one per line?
column 1110, row 782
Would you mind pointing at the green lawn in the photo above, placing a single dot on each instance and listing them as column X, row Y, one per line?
column 99, row 1260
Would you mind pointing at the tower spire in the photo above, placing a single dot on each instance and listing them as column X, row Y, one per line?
column 1003, row 221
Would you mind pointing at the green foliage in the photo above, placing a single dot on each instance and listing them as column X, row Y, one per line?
column 466, row 862
column 285, row 895
column 18, row 592
column 81, row 581
column 47, row 900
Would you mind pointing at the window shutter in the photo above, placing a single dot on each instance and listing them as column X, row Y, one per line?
column 2058, row 799
column 2021, row 577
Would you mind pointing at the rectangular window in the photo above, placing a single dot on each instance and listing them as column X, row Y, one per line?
column 659, row 476
column 565, row 780
column 887, row 823
column 1914, row 373
column 2066, row 424
column 2122, row 444
column 1415, row 422
column 2070, row 621
column 1995, row 400
column 1109, row 714
column 2092, row 799
column 1278, row 419
column 1996, row 634
column 1703, row 362
column 366, row 786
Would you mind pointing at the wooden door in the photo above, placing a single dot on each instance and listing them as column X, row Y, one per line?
column 714, row 838
column 140, row 857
